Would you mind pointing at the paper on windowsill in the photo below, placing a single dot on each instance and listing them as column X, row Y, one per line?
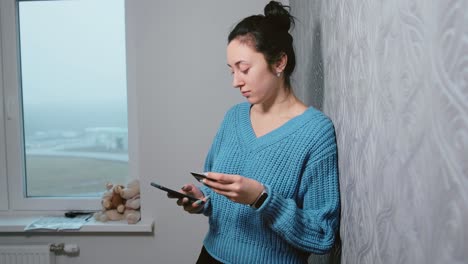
column 57, row 223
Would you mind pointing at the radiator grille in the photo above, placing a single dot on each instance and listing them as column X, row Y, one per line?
column 26, row 254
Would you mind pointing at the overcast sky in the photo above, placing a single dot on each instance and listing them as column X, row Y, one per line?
column 73, row 52
column 73, row 64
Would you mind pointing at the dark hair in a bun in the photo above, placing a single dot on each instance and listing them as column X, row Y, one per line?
column 269, row 35
column 278, row 15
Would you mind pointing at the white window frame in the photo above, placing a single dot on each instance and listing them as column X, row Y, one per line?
column 3, row 172
column 12, row 168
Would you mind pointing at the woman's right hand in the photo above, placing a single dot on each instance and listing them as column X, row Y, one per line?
column 192, row 190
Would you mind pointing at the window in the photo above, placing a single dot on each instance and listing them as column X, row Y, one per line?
column 65, row 94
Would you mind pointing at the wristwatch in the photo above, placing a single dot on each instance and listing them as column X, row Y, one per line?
column 260, row 199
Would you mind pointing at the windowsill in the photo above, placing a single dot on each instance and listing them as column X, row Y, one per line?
column 16, row 224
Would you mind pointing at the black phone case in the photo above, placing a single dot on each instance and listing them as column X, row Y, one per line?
column 174, row 193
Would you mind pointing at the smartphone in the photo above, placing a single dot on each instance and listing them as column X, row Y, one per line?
column 175, row 193
column 200, row 176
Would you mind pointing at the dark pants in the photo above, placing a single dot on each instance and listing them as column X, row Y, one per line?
column 206, row 258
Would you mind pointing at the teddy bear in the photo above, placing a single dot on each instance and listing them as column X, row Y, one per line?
column 131, row 190
column 130, row 195
column 111, row 199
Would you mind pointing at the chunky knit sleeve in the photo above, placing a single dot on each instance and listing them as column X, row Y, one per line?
column 218, row 139
column 211, row 156
column 309, row 224
column 208, row 165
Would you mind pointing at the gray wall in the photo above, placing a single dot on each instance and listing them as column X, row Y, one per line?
column 393, row 77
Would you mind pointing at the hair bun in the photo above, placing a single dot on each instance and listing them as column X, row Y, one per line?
column 278, row 15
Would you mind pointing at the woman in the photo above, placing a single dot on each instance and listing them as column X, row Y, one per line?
column 272, row 168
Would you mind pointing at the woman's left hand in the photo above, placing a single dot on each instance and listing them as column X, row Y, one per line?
column 236, row 188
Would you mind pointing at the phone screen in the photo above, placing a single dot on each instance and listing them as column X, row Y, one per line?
column 174, row 193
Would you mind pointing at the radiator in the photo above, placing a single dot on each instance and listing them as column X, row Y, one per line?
column 26, row 254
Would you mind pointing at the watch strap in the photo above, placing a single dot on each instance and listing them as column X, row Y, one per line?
column 260, row 199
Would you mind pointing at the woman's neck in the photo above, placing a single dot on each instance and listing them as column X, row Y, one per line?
column 285, row 103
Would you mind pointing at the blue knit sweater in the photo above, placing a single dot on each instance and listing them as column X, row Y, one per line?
column 297, row 163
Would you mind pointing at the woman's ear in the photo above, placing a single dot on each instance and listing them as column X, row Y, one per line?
column 280, row 65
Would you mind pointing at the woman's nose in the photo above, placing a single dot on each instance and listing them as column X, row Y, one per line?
column 237, row 82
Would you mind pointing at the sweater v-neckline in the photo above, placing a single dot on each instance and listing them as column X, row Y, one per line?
column 248, row 135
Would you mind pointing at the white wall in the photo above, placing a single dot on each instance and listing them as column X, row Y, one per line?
column 183, row 87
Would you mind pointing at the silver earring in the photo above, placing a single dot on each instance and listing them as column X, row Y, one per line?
column 278, row 74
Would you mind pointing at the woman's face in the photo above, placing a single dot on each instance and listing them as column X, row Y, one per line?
column 251, row 73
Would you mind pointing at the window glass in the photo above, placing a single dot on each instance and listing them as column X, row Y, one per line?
column 74, row 96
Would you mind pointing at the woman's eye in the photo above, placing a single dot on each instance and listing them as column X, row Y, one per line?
column 245, row 71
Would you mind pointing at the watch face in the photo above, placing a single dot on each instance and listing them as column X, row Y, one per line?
column 261, row 200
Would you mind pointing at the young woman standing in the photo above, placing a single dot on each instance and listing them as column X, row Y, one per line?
column 272, row 167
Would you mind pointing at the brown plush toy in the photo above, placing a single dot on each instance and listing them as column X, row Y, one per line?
column 131, row 190
column 111, row 199
column 132, row 206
